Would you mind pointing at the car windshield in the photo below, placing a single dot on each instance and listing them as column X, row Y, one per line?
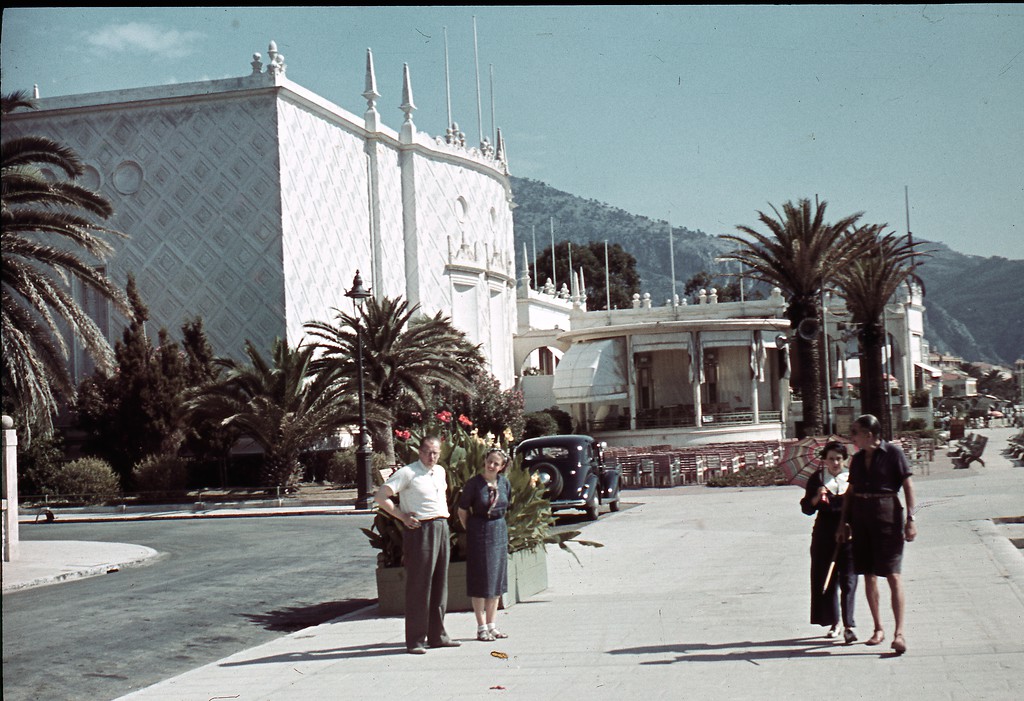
column 550, row 452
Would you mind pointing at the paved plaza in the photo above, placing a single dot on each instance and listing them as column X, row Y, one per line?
column 696, row 592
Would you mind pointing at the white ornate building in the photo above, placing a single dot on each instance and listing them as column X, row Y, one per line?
column 251, row 202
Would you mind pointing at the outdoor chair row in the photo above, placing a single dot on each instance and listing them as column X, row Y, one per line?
column 666, row 466
column 1015, row 446
column 968, row 450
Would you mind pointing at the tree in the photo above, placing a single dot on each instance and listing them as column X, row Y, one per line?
column 280, row 404
column 622, row 272
column 207, row 440
column 798, row 254
column 404, row 355
column 867, row 282
column 51, row 236
column 135, row 411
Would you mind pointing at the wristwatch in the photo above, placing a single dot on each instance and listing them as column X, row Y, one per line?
column 910, row 519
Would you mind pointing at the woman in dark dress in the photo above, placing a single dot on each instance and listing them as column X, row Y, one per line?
column 482, row 505
column 824, row 496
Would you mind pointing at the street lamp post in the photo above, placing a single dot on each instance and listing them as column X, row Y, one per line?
column 363, row 461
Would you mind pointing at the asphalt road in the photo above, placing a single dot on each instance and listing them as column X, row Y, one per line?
column 219, row 586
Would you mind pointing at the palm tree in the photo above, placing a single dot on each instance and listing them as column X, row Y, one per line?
column 280, row 404
column 50, row 236
column 867, row 283
column 798, row 254
column 404, row 356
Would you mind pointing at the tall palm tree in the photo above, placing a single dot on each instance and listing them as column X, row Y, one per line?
column 867, row 283
column 280, row 404
column 798, row 254
column 50, row 235
column 404, row 355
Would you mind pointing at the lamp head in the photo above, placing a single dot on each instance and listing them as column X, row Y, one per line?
column 358, row 293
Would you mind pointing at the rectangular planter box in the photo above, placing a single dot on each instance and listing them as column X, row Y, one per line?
column 527, row 575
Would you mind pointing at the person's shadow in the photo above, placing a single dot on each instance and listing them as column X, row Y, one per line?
column 337, row 653
column 746, row 650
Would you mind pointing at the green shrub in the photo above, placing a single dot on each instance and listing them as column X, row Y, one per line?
column 920, row 398
column 341, row 467
column 914, row 425
column 88, row 480
column 562, row 419
column 161, row 476
column 539, row 423
column 38, row 465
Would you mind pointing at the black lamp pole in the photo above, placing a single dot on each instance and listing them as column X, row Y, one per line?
column 364, row 497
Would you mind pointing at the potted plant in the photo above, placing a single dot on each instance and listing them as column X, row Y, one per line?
column 529, row 521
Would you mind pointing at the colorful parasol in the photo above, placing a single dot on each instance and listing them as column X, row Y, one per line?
column 799, row 459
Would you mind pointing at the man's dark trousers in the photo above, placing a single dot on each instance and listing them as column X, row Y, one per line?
column 426, row 552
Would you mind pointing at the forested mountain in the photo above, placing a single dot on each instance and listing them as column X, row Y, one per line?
column 975, row 305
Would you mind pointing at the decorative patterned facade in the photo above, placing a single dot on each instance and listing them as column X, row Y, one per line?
column 252, row 201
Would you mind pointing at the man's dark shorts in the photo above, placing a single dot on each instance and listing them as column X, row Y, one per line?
column 877, row 535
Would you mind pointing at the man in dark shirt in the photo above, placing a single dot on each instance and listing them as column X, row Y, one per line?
column 877, row 473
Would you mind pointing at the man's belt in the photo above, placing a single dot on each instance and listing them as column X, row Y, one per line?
column 874, row 495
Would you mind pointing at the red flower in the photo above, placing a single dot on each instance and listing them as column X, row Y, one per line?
column 402, row 435
column 444, row 417
column 464, row 420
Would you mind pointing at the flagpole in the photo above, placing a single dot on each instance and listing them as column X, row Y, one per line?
column 554, row 275
column 672, row 261
column 607, row 279
column 447, row 80
column 479, row 108
column 536, row 280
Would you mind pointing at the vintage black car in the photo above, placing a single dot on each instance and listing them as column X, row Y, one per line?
column 573, row 469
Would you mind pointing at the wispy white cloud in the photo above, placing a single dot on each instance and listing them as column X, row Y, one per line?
column 135, row 37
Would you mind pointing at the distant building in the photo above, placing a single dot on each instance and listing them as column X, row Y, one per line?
column 704, row 373
column 251, row 202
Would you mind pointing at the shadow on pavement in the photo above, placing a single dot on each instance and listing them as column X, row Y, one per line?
column 751, row 651
column 292, row 619
column 338, row 653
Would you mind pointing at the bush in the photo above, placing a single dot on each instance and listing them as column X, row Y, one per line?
column 161, row 476
column 89, row 480
column 920, row 397
column 341, row 467
column 539, row 423
column 562, row 419
column 38, row 465
column 914, row 425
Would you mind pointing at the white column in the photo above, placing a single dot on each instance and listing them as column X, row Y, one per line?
column 10, row 491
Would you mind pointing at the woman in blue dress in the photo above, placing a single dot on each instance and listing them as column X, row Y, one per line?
column 482, row 505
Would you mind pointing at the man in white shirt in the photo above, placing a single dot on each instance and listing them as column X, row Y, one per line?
column 423, row 487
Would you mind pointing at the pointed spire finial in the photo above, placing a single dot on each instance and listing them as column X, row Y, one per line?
column 370, row 93
column 407, row 106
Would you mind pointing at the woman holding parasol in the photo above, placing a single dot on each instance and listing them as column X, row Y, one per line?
column 832, row 569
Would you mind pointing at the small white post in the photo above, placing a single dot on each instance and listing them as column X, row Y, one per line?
column 10, row 491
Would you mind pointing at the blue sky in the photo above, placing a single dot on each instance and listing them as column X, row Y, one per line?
column 699, row 115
